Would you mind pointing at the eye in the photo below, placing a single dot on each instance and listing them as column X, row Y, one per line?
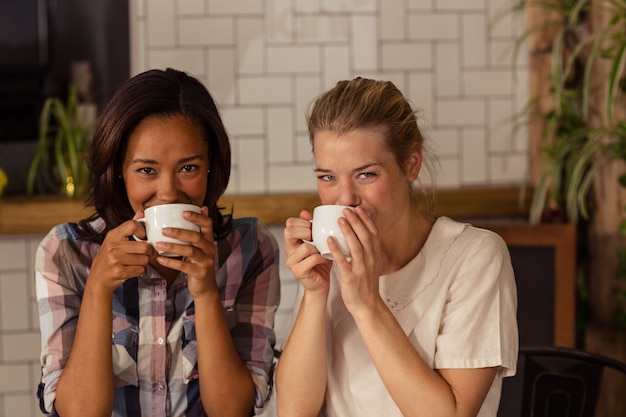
column 189, row 168
column 366, row 175
column 146, row 171
column 326, row 177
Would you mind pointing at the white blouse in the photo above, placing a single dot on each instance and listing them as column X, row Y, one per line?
column 457, row 303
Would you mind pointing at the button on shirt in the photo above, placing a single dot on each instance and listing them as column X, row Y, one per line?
column 154, row 341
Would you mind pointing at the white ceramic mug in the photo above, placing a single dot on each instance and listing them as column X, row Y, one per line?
column 166, row 215
column 324, row 224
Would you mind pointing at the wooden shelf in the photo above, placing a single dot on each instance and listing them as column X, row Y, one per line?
column 37, row 215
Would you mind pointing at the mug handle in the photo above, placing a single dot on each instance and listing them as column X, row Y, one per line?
column 142, row 221
column 310, row 242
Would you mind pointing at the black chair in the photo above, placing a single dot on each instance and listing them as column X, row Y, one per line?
column 561, row 382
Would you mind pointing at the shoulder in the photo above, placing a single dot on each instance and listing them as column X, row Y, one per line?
column 246, row 225
column 66, row 231
column 62, row 246
column 61, row 233
column 250, row 226
column 249, row 231
column 66, row 237
column 461, row 247
column 72, row 231
column 462, row 235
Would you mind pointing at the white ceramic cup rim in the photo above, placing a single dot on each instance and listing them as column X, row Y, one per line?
column 148, row 220
column 322, row 247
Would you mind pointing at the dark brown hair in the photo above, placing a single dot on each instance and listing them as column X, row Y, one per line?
column 161, row 93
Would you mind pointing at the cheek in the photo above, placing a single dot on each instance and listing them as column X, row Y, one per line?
column 326, row 196
column 196, row 190
column 379, row 199
column 138, row 193
column 383, row 200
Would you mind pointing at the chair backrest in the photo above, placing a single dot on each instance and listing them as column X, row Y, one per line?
column 561, row 382
column 544, row 260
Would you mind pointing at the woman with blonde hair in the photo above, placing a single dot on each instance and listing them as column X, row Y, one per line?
column 421, row 320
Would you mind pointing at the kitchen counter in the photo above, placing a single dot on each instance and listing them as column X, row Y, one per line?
column 37, row 215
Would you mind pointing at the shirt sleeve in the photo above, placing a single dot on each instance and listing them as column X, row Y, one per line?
column 256, row 304
column 479, row 323
column 58, row 300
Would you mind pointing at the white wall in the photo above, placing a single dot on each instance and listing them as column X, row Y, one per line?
column 19, row 327
column 266, row 60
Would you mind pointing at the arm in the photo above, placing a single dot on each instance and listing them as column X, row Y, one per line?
column 86, row 381
column 226, row 384
column 416, row 388
column 231, row 362
column 301, row 370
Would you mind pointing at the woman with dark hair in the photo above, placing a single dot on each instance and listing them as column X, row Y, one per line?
column 421, row 321
column 127, row 332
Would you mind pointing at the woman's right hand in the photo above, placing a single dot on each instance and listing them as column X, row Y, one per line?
column 302, row 258
column 120, row 257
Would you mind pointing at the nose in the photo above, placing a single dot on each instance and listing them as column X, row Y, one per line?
column 347, row 194
column 168, row 190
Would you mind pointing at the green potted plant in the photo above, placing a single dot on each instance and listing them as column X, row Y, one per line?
column 555, row 109
column 59, row 163
column 574, row 147
column 578, row 57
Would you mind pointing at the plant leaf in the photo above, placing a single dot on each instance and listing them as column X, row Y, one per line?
column 615, row 75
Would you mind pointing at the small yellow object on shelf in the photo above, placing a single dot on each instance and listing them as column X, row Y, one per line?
column 3, row 180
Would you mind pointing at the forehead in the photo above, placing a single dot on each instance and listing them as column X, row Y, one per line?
column 169, row 135
column 358, row 146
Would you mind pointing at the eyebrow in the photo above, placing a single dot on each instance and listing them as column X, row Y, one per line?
column 152, row 161
column 357, row 169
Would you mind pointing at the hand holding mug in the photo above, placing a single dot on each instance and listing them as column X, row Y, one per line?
column 324, row 225
column 166, row 215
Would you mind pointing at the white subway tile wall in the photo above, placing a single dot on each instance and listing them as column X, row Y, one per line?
column 264, row 62
column 19, row 327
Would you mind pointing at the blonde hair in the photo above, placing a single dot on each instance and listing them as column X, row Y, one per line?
column 364, row 103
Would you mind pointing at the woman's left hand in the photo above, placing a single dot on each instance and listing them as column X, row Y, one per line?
column 198, row 259
column 359, row 280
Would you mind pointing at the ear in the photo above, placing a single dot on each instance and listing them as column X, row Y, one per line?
column 413, row 165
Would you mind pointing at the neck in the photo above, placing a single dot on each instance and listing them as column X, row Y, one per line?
column 167, row 273
column 404, row 243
